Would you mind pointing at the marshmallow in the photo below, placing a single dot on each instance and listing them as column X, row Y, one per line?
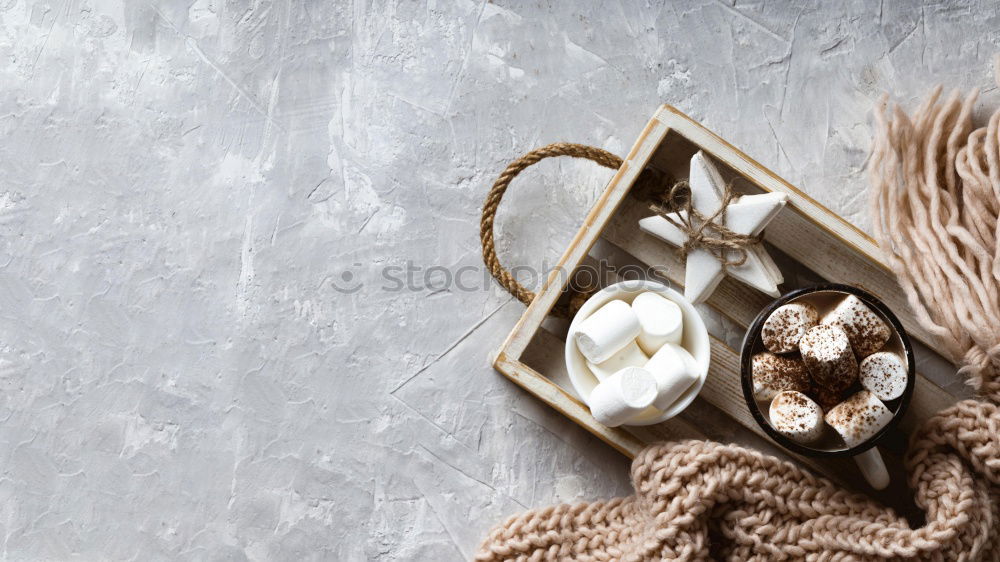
column 884, row 374
column 607, row 331
column 660, row 319
column 827, row 354
column 859, row 418
column 866, row 330
column 796, row 416
column 786, row 325
column 675, row 371
column 628, row 356
column 772, row 374
column 622, row 396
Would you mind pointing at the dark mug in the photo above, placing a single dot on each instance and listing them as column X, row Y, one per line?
column 865, row 453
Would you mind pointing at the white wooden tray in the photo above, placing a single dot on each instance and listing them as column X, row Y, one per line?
column 806, row 231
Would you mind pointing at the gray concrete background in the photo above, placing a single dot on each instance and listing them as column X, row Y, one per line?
column 188, row 188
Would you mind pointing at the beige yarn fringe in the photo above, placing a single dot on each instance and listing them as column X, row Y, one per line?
column 936, row 196
column 936, row 182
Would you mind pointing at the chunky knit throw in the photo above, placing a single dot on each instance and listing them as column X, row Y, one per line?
column 936, row 189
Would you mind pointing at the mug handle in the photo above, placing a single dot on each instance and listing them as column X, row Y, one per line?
column 871, row 465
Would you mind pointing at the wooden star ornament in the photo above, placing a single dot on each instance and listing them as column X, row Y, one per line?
column 747, row 215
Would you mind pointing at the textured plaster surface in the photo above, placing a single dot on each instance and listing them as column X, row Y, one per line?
column 188, row 188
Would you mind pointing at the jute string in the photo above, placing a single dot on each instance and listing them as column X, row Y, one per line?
column 707, row 232
column 936, row 193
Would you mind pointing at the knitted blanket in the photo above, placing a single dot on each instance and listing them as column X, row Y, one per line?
column 936, row 194
column 697, row 500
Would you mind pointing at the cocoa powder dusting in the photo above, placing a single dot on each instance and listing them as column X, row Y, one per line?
column 785, row 326
column 775, row 373
column 827, row 354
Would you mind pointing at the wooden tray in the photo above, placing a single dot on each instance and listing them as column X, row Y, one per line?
column 807, row 232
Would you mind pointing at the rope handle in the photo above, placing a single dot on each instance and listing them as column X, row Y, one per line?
column 499, row 272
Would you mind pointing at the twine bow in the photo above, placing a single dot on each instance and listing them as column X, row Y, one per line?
column 705, row 232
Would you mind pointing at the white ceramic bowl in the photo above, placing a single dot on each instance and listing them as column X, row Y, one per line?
column 695, row 341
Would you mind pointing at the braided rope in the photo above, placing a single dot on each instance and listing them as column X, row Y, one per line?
column 493, row 198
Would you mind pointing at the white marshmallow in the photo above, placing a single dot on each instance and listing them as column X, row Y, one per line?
column 796, row 416
column 884, row 374
column 826, row 351
column 628, row 356
column 675, row 371
column 786, row 325
column 770, row 374
column 607, row 331
column 859, row 418
column 866, row 329
column 660, row 320
column 622, row 396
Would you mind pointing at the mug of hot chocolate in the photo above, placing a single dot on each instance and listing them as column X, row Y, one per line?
column 827, row 371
